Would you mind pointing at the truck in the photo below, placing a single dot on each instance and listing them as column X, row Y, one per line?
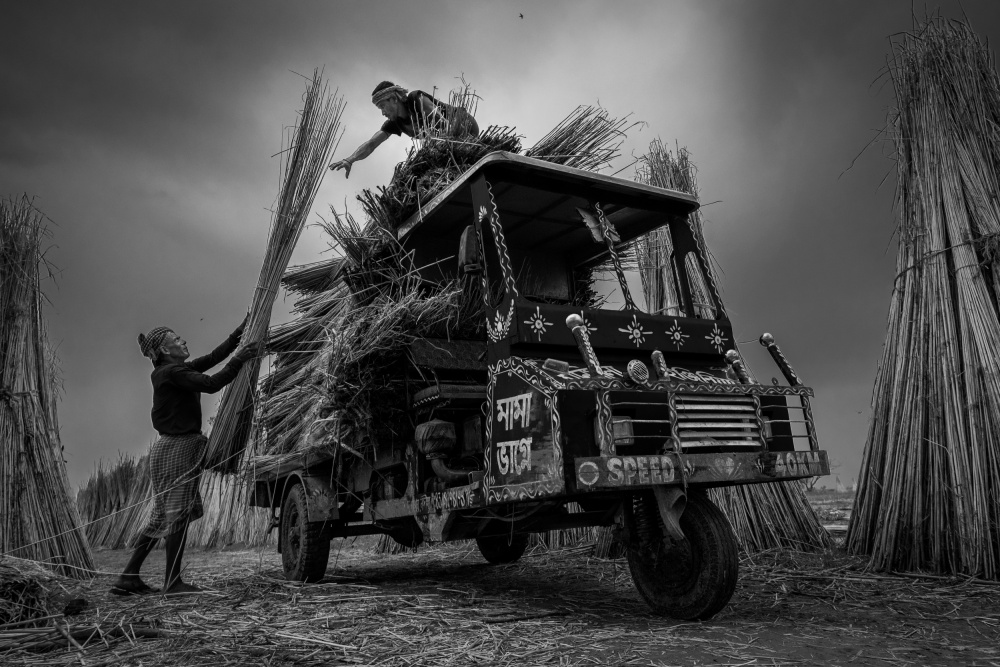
column 561, row 416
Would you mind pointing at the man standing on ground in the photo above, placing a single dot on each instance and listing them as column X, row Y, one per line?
column 175, row 459
column 415, row 114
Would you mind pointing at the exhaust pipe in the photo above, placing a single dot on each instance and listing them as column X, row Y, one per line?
column 447, row 474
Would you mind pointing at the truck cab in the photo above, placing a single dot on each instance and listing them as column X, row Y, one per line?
column 555, row 409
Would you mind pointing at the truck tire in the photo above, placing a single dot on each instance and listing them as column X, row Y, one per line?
column 502, row 549
column 305, row 550
column 695, row 578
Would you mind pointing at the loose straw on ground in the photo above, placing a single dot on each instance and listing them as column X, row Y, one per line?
column 443, row 606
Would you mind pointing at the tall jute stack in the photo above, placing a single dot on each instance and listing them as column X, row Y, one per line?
column 305, row 162
column 116, row 502
column 764, row 516
column 929, row 491
column 38, row 517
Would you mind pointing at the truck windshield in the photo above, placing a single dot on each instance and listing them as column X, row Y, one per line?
column 656, row 275
column 661, row 271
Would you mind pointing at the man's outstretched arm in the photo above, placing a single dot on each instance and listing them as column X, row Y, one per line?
column 364, row 150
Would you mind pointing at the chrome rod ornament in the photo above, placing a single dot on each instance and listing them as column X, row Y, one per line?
column 582, row 336
column 734, row 361
column 767, row 340
column 660, row 365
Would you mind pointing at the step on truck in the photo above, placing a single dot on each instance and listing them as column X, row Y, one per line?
column 562, row 416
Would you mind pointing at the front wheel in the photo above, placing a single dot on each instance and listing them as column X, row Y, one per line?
column 305, row 550
column 502, row 549
column 692, row 579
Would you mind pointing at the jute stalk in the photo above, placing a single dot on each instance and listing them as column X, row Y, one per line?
column 314, row 139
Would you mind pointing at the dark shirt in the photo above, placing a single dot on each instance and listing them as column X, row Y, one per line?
column 177, row 389
column 415, row 116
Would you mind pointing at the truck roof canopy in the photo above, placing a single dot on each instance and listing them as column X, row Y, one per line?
column 537, row 202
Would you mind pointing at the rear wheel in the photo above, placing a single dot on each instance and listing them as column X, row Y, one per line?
column 305, row 550
column 502, row 549
column 692, row 579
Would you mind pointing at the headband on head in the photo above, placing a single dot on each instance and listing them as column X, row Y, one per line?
column 385, row 90
column 149, row 344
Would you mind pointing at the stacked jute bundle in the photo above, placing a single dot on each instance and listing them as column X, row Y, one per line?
column 929, row 491
column 38, row 518
column 309, row 279
column 228, row 519
column 116, row 502
column 305, row 162
column 428, row 169
column 588, row 138
column 673, row 171
column 764, row 516
column 336, row 377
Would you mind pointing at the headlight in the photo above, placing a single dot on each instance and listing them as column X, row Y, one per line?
column 766, row 428
column 621, row 430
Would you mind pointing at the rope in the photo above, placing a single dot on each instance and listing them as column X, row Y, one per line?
column 188, row 476
column 7, row 395
column 981, row 241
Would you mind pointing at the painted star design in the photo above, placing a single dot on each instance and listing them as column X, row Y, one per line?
column 676, row 335
column 635, row 332
column 716, row 339
column 586, row 323
column 538, row 323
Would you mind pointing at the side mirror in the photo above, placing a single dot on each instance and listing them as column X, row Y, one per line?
column 469, row 261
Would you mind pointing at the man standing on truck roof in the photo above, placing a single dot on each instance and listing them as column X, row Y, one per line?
column 175, row 459
column 415, row 114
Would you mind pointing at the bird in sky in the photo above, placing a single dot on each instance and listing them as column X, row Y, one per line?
column 520, row 16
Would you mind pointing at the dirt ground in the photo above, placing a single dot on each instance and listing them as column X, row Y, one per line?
column 445, row 606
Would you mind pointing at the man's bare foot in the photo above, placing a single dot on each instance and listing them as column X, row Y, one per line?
column 181, row 588
column 131, row 584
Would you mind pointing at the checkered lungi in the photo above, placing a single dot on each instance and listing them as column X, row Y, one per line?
column 175, row 463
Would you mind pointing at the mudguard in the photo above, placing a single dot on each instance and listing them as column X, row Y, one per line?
column 321, row 499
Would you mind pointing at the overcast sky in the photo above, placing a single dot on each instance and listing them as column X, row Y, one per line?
column 146, row 130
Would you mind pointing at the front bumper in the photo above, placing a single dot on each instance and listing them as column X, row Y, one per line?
column 601, row 472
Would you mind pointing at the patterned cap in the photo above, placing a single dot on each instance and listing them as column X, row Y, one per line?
column 150, row 343
column 385, row 90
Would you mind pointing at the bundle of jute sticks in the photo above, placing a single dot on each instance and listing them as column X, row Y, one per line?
column 116, row 501
column 929, row 490
column 38, row 518
column 305, row 162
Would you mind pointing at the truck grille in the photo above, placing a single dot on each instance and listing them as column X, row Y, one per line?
column 724, row 421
